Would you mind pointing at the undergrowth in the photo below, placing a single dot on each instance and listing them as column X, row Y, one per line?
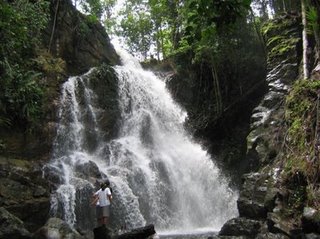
column 302, row 142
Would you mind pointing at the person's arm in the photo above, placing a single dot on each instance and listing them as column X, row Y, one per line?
column 95, row 199
column 109, row 194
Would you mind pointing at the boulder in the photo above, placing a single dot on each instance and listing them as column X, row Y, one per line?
column 312, row 236
column 271, row 236
column 102, row 233
column 278, row 225
column 310, row 220
column 252, row 196
column 56, row 228
column 241, row 227
column 139, row 233
column 11, row 226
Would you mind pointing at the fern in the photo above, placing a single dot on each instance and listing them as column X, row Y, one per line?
column 312, row 19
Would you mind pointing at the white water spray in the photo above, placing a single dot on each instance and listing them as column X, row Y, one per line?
column 159, row 174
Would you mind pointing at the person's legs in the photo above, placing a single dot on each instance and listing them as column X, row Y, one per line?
column 105, row 220
column 99, row 215
column 105, row 215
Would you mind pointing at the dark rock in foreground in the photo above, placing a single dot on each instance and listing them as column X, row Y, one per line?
column 102, row 233
column 11, row 226
column 57, row 228
column 24, row 193
column 138, row 233
column 241, row 226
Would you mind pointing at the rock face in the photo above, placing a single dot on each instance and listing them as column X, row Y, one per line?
column 56, row 228
column 24, row 193
column 283, row 37
column 11, row 226
column 251, row 202
column 80, row 42
column 261, row 201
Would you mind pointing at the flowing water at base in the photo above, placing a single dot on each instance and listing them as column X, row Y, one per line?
column 204, row 233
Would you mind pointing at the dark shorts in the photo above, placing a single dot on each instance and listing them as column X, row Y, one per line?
column 103, row 211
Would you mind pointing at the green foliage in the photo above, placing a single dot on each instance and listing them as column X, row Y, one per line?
column 284, row 46
column 96, row 9
column 22, row 94
column 275, row 26
column 302, row 117
column 206, row 21
column 313, row 21
column 49, row 64
column 21, row 23
column 281, row 41
column 176, row 26
column 137, row 28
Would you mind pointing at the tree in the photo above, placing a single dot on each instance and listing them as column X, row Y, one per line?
column 167, row 24
column 304, row 40
column 21, row 22
column 137, row 28
column 101, row 10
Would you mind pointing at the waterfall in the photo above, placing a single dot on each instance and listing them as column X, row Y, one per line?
column 158, row 173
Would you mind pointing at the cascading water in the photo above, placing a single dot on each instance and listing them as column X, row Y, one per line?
column 159, row 175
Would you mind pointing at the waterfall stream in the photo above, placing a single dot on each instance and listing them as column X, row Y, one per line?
column 158, row 173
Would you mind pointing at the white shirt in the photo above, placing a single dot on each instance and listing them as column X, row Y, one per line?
column 103, row 197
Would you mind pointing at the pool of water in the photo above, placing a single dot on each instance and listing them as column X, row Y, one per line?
column 202, row 234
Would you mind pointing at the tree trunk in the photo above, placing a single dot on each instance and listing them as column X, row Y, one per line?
column 304, row 40
column 158, row 36
column 216, row 88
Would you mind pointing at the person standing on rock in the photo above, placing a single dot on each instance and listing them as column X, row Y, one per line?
column 102, row 198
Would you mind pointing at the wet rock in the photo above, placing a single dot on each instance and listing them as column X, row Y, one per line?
column 271, row 236
column 264, row 138
column 139, row 233
column 229, row 237
column 310, row 220
column 252, row 197
column 102, row 233
column 56, row 228
column 241, row 227
column 87, row 170
column 312, row 236
column 11, row 226
column 24, row 193
column 278, row 225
